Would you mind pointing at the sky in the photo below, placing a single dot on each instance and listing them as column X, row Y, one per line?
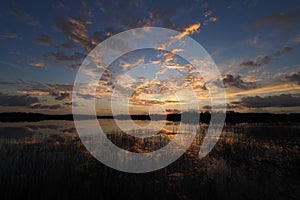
column 254, row 43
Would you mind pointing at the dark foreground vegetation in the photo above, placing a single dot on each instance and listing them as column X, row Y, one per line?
column 250, row 161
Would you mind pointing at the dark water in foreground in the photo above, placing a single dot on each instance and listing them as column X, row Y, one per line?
column 46, row 160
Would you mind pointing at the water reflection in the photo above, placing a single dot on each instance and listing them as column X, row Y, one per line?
column 61, row 131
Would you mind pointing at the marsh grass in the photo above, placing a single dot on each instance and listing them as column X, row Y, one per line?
column 248, row 162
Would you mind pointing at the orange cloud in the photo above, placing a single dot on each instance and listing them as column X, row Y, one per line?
column 189, row 30
column 37, row 64
column 286, row 87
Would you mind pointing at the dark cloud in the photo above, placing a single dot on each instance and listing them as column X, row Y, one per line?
column 61, row 56
column 228, row 106
column 283, row 51
column 173, row 111
column 99, row 36
column 17, row 100
column 86, row 96
column 68, row 45
column 43, row 39
column 236, row 81
column 294, row 78
column 116, row 10
column 172, row 101
column 61, row 87
column 278, row 20
column 257, row 62
column 75, row 30
column 68, row 103
column 266, row 59
column 7, row 83
column 142, row 102
column 25, row 17
column 60, row 96
column 136, row 14
column 164, row 16
column 74, row 66
column 284, row 100
column 40, row 106
column 58, row 91
column 40, row 87
column 207, row 107
column 111, row 31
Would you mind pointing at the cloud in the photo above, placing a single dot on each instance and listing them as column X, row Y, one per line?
column 110, row 31
column 99, row 36
column 262, row 60
column 173, row 111
column 40, row 106
column 68, row 103
column 137, row 14
column 283, row 100
column 37, row 64
column 126, row 65
column 60, row 96
column 7, row 83
column 164, row 16
column 188, row 30
column 78, row 30
column 43, row 39
column 209, row 17
column 61, row 56
column 207, row 13
column 8, row 35
column 283, row 51
column 209, row 20
column 74, row 66
column 272, row 87
column 231, row 81
column 277, row 19
column 17, row 100
column 75, row 30
column 295, row 77
column 68, row 45
column 146, row 102
column 27, row 101
column 58, row 91
column 25, row 17
column 228, row 106
column 297, row 39
column 257, row 62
